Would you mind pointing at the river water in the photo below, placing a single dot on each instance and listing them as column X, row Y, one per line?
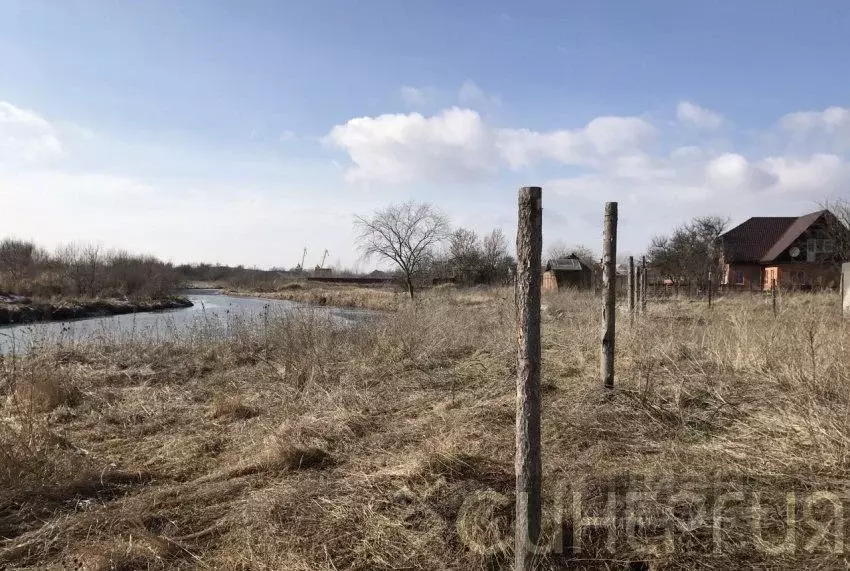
column 211, row 309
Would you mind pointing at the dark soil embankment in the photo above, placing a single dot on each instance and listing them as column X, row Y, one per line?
column 23, row 310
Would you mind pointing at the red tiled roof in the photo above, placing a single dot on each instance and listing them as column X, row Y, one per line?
column 763, row 238
column 751, row 240
column 799, row 226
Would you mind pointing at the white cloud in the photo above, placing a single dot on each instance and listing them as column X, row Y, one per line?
column 731, row 171
column 699, row 117
column 830, row 120
column 816, row 176
column 414, row 96
column 471, row 95
column 458, row 144
column 601, row 138
column 26, row 136
column 455, row 144
column 288, row 136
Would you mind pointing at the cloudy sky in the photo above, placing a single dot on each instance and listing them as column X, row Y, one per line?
column 242, row 132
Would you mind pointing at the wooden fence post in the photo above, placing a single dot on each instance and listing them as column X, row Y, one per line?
column 643, row 284
column 709, row 289
column 638, row 290
column 609, row 293
column 631, row 289
column 527, row 462
column 773, row 294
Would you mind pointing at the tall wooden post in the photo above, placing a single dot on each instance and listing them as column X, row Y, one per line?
column 631, row 289
column 609, row 293
column 709, row 289
column 529, row 244
column 773, row 295
column 643, row 284
column 638, row 290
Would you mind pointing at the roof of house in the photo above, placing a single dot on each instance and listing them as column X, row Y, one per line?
column 569, row 263
column 764, row 238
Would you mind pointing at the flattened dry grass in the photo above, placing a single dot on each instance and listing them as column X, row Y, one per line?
column 371, row 297
column 297, row 444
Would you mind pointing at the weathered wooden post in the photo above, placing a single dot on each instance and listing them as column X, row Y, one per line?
column 845, row 288
column 638, row 290
column 773, row 294
column 609, row 293
column 631, row 289
column 709, row 289
column 643, row 284
column 529, row 244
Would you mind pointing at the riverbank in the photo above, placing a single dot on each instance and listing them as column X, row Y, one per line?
column 293, row 444
column 344, row 296
column 24, row 310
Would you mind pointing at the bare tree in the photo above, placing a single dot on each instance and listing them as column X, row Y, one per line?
column 584, row 253
column 495, row 259
column 838, row 228
column 18, row 259
column 690, row 252
column 494, row 247
column 405, row 234
column 465, row 255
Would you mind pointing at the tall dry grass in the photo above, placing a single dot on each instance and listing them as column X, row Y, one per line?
column 296, row 443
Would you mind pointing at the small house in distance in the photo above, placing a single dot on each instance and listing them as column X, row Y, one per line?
column 567, row 272
column 793, row 252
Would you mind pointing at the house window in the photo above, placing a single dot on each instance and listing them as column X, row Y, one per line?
column 815, row 246
column 799, row 277
column 828, row 246
column 738, row 277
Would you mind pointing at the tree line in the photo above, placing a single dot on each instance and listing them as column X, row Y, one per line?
column 85, row 271
column 419, row 240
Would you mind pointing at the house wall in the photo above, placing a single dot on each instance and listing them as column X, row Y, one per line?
column 550, row 282
column 751, row 274
column 845, row 287
column 554, row 280
column 794, row 275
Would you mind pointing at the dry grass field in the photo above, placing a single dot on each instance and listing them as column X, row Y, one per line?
column 373, row 298
column 390, row 445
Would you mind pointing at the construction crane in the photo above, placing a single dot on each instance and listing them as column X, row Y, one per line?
column 324, row 257
column 303, row 257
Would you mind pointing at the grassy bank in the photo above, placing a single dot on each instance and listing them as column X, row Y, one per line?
column 26, row 310
column 375, row 298
column 385, row 298
column 293, row 444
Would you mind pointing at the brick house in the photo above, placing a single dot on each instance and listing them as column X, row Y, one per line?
column 797, row 252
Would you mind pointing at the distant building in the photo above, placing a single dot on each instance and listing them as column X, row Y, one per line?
column 567, row 272
column 797, row 252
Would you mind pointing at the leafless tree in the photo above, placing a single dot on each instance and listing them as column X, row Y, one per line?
column 691, row 251
column 405, row 234
column 18, row 259
column 494, row 248
column 465, row 255
column 584, row 253
column 838, row 228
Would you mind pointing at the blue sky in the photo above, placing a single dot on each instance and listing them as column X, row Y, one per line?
column 242, row 132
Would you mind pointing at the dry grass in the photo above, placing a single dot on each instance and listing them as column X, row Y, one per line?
column 375, row 298
column 390, row 446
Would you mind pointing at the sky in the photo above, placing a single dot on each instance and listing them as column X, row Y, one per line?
column 244, row 132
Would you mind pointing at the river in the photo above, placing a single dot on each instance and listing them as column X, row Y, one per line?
column 210, row 308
